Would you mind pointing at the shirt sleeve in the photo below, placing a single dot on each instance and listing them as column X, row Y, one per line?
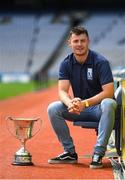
column 105, row 73
column 64, row 71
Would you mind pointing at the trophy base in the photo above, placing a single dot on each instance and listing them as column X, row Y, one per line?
column 22, row 164
column 21, row 160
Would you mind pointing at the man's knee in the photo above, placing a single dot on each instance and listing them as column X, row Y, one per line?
column 51, row 108
column 54, row 107
column 108, row 104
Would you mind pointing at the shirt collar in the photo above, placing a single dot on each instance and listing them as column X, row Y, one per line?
column 88, row 60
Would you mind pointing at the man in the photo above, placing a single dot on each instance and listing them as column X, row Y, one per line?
column 89, row 74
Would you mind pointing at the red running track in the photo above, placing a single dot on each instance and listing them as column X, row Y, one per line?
column 45, row 144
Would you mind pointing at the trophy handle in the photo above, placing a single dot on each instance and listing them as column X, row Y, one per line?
column 39, row 127
column 7, row 118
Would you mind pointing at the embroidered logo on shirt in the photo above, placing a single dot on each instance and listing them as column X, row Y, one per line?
column 89, row 74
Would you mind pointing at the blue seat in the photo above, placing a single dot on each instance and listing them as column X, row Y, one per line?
column 89, row 125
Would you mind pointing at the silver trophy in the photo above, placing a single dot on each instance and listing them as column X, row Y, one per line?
column 23, row 129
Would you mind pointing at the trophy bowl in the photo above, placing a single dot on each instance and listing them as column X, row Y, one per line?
column 23, row 129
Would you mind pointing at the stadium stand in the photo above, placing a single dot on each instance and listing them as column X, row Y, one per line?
column 15, row 39
column 27, row 41
column 48, row 40
column 113, row 45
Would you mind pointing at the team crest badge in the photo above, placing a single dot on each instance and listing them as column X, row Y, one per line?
column 89, row 74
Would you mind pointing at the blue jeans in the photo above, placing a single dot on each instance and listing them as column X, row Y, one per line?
column 104, row 113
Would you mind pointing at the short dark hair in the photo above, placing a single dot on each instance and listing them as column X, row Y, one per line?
column 78, row 30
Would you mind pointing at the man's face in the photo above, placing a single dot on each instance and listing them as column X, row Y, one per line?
column 79, row 44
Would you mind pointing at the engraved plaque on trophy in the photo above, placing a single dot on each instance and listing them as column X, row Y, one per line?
column 23, row 129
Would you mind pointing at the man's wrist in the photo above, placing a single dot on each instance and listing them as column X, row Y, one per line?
column 85, row 103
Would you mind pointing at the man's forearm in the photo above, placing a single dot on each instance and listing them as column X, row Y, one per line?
column 64, row 97
column 108, row 92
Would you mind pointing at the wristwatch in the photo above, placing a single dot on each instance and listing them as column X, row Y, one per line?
column 86, row 103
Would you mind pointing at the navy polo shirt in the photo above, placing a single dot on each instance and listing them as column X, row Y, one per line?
column 86, row 79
